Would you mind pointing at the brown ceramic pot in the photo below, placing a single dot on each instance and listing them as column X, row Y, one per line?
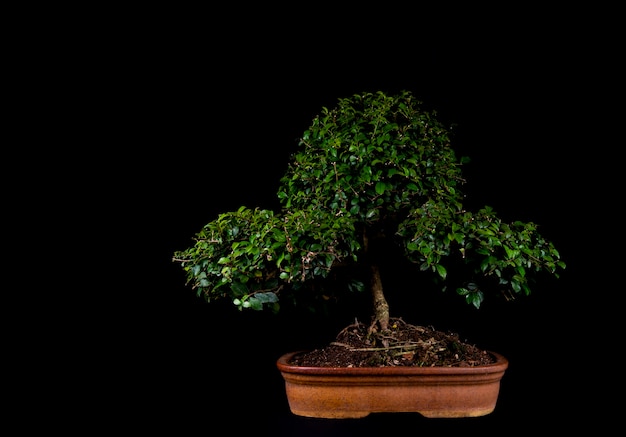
column 341, row 392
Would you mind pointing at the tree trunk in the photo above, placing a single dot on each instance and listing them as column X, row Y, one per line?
column 381, row 307
column 379, row 302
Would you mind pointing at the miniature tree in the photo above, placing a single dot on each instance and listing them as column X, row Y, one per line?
column 375, row 171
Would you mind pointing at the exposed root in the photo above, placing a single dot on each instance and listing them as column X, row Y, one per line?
column 403, row 344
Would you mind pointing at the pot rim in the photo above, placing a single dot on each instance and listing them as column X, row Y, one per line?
column 283, row 365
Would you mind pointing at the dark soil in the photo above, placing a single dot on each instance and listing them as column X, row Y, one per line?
column 359, row 345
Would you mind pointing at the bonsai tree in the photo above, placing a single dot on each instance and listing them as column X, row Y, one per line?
column 374, row 174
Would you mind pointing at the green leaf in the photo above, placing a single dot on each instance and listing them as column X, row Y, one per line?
column 266, row 297
column 239, row 289
column 442, row 271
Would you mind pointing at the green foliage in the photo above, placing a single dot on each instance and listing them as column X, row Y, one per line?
column 493, row 249
column 370, row 158
column 251, row 255
column 373, row 168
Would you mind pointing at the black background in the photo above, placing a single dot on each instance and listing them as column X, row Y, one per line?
column 186, row 118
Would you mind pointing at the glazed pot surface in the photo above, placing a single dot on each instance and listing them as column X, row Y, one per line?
column 353, row 392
